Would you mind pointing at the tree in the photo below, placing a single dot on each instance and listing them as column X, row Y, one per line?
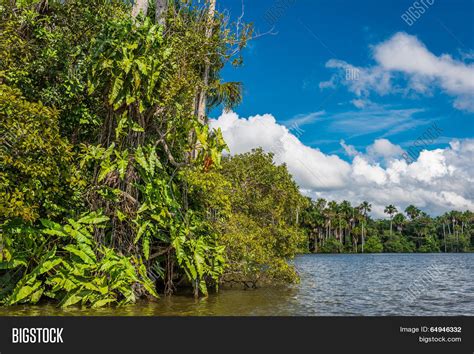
column 399, row 221
column 312, row 220
column 36, row 176
column 412, row 212
column 331, row 213
column 391, row 210
column 347, row 214
column 262, row 232
column 373, row 245
column 202, row 100
column 365, row 207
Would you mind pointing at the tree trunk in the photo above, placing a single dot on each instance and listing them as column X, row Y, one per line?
column 444, row 236
column 202, row 101
column 139, row 6
column 196, row 289
column 362, row 237
column 160, row 13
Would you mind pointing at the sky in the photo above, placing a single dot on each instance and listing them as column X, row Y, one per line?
column 363, row 100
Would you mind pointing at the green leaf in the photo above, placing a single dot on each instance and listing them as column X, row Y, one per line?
column 92, row 219
column 121, row 216
column 102, row 302
column 122, row 163
column 69, row 300
column 137, row 127
column 36, row 296
column 141, row 230
column 116, row 88
column 146, row 246
column 23, row 292
column 106, row 168
column 146, row 281
column 140, row 158
column 12, row 264
column 80, row 253
column 46, row 266
column 142, row 67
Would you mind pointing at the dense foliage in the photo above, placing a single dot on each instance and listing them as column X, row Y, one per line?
column 111, row 181
column 264, row 231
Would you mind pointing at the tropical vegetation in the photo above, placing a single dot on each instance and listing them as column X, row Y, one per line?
column 340, row 227
column 113, row 187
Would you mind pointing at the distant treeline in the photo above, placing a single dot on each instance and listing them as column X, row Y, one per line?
column 342, row 228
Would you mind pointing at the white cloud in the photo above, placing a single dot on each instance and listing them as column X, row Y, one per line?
column 303, row 119
column 349, row 149
column 406, row 56
column 360, row 103
column 365, row 173
column 304, row 162
column 375, row 119
column 361, row 80
column 439, row 180
column 384, row 148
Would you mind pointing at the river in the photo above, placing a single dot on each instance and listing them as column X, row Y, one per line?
column 340, row 285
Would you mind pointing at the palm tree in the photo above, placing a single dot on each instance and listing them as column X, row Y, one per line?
column 391, row 210
column 321, row 218
column 346, row 211
column 332, row 211
column 412, row 212
column 399, row 221
column 365, row 207
column 313, row 220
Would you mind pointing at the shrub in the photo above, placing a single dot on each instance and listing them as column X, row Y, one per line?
column 332, row 246
column 373, row 245
column 37, row 176
column 66, row 264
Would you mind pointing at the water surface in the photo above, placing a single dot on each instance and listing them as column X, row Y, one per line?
column 367, row 285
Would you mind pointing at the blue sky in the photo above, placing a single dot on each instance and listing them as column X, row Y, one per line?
column 282, row 72
column 341, row 90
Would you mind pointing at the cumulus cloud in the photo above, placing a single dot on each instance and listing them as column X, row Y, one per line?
column 385, row 149
column 406, row 56
column 305, row 163
column 439, row 180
